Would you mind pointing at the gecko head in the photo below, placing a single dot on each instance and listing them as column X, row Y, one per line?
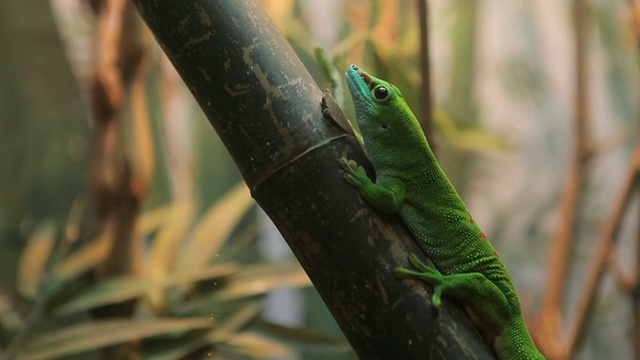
column 370, row 94
column 381, row 110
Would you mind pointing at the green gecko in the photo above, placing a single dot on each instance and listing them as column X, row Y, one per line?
column 409, row 182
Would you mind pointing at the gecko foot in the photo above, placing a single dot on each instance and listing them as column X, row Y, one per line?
column 354, row 173
column 426, row 272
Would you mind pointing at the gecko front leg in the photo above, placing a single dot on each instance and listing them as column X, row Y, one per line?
column 384, row 195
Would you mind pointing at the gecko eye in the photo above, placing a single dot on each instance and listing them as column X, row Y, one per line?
column 381, row 92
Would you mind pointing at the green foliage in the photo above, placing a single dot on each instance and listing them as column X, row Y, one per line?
column 192, row 292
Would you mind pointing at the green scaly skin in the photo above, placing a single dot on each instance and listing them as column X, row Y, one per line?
column 409, row 182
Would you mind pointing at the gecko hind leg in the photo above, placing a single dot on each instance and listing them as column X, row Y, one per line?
column 427, row 272
column 480, row 296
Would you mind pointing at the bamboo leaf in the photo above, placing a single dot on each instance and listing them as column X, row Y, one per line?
column 141, row 145
column 222, row 333
column 251, row 345
column 208, row 273
column 34, row 258
column 304, row 338
column 471, row 140
column 93, row 335
column 11, row 320
column 130, row 287
column 88, row 256
column 106, row 292
column 214, row 228
column 153, row 219
column 259, row 279
column 166, row 243
column 238, row 320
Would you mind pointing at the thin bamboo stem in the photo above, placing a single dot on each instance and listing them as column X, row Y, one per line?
column 426, row 110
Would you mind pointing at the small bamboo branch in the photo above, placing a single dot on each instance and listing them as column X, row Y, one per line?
column 635, row 300
column 563, row 242
column 605, row 245
column 116, row 189
column 626, row 282
column 116, row 186
column 605, row 257
column 426, row 111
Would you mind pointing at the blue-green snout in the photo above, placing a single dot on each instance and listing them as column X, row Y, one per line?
column 358, row 82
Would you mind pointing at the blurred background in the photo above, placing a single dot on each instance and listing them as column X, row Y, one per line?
column 116, row 196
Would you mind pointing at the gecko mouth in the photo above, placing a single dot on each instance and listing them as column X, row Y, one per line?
column 365, row 77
